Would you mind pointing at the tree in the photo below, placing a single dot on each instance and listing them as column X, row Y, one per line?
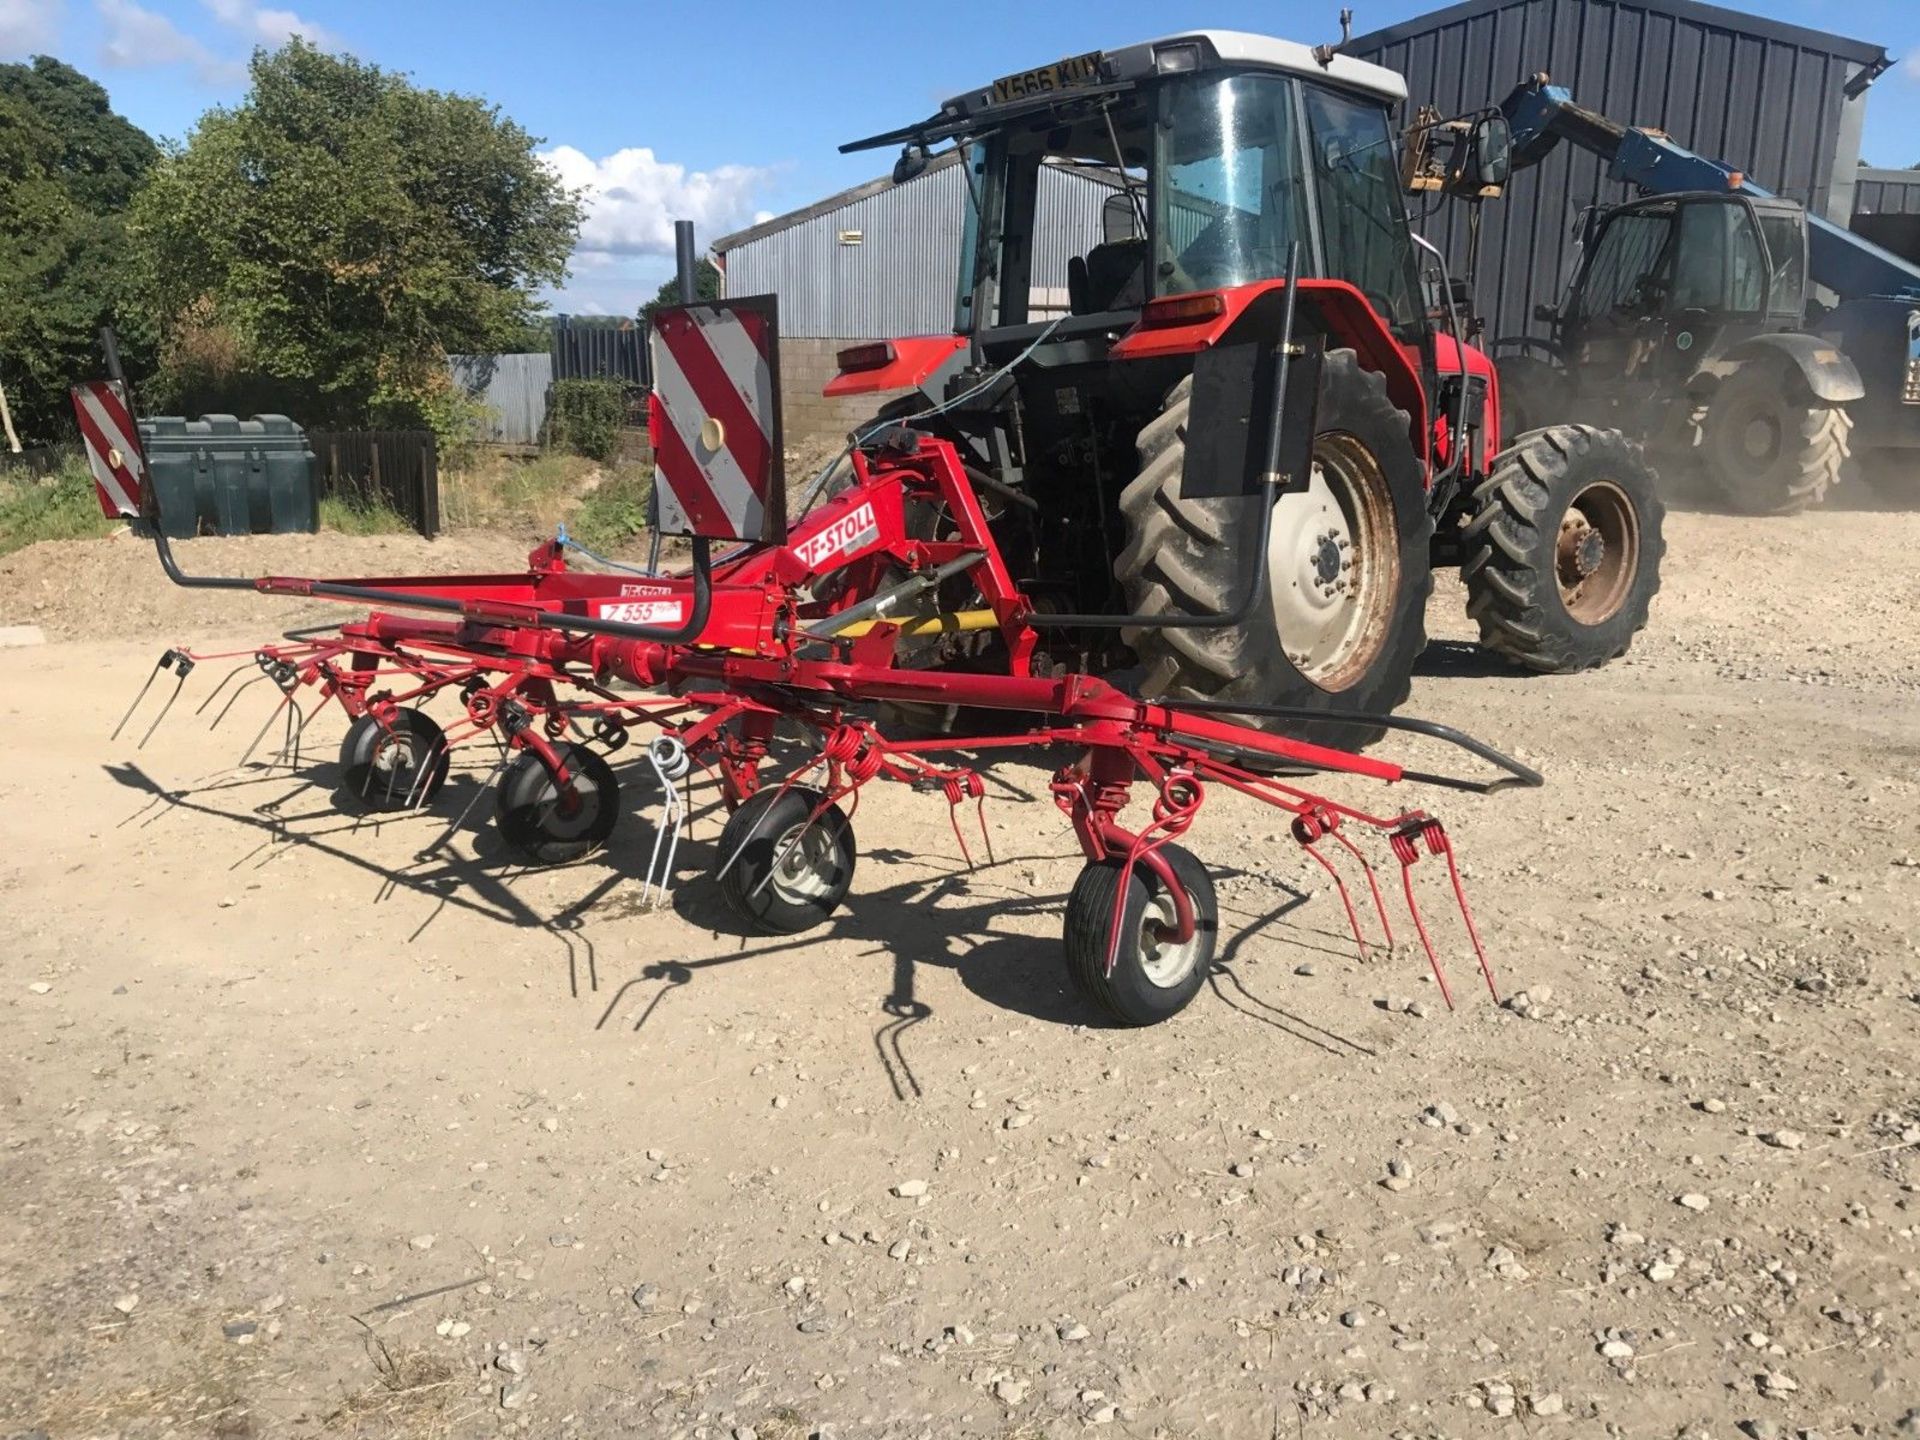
column 340, row 230
column 68, row 166
column 706, row 284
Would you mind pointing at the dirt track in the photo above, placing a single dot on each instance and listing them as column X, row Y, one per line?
column 272, row 1069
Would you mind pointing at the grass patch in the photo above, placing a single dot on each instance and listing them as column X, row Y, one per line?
column 613, row 512
column 59, row 506
column 354, row 516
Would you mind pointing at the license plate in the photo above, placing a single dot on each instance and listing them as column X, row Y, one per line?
column 1061, row 75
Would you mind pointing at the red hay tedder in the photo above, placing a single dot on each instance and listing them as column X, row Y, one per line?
column 921, row 618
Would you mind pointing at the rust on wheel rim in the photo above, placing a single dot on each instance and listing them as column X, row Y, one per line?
column 1597, row 552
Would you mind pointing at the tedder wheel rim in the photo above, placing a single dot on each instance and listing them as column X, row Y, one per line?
column 807, row 864
column 1597, row 552
column 559, row 822
column 1333, row 565
column 1165, row 961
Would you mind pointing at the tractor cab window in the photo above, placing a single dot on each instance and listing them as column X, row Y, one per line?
column 1074, row 197
column 1716, row 263
column 1229, row 198
column 1787, row 246
column 1363, row 219
column 1624, row 279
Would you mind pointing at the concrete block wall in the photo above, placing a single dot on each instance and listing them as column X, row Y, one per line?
column 806, row 365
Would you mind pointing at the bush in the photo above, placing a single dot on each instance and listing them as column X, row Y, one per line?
column 60, row 506
column 586, row 417
column 614, row 511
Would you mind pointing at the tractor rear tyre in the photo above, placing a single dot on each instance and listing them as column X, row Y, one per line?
column 1153, row 976
column 1533, row 394
column 1563, row 549
column 537, row 827
column 383, row 768
column 783, row 874
column 1347, row 566
column 1769, row 447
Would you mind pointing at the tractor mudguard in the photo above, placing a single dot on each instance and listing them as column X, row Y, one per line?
column 1829, row 374
column 1188, row 324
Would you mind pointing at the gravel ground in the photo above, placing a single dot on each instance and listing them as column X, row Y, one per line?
column 314, row 1127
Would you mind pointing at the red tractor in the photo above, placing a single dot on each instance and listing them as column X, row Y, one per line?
column 1129, row 436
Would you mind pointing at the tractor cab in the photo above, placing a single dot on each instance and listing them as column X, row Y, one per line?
column 1667, row 284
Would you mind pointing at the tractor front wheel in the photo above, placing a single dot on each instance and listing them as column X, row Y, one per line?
column 1347, row 567
column 1563, row 549
column 1768, row 446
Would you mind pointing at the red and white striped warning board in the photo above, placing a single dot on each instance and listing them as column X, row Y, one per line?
column 715, row 420
column 114, row 455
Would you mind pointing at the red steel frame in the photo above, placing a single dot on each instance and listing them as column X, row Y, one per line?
column 520, row 671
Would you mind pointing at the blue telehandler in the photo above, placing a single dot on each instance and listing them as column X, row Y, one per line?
column 1721, row 324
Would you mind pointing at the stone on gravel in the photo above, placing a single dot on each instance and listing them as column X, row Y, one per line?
column 1546, row 1406
column 1693, row 1200
column 910, row 1189
column 126, row 1303
column 1783, row 1139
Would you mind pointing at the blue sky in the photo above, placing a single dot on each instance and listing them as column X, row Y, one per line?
column 723, row 112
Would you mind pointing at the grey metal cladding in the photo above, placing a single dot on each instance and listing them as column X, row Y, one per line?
column 897, row 277
column 1756, row 93
column 1886, row 192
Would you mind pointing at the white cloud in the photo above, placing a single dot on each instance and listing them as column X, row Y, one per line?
column 138, row 39
column 269, row 27
column 633, row 198
column 28, row 27
column 1912, row 67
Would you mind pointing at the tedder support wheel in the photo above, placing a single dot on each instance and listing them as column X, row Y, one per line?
column 543, row 828
column 1347, row 566
column 1154, row 975
column 1769, row 447
column 383, row 768
column 786, row 875
column 1563, row 548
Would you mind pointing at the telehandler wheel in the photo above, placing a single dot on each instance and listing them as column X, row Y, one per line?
column 383, row 769
column 537, row 827
column 1767, row 446
column 786, row 875
column 1533, row 394
column 1563, row 548
column 1347, row 567
column 1154, row 976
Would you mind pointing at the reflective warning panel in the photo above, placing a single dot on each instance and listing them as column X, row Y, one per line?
column 113, row 447
column 715, row 420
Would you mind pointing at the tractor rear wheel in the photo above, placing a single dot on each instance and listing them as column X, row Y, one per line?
column 1563, row 549
column 1768, row 446
column 1347, row 567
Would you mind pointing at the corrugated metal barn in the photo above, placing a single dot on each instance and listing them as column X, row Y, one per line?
column 1784, row 103
column 1886, row 209
column 882, row 260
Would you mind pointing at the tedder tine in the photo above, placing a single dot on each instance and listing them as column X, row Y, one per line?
column 670, row 761
column 214, row 694
column 168, row 659
column 178, row 682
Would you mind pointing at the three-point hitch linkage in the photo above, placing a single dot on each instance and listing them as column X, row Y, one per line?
column 804, row 636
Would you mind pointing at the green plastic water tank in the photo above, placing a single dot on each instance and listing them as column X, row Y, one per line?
column 221, row 475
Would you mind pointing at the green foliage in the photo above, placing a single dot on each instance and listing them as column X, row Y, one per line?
column 68, row 166
column 342, row 229
column 614, row 511
column 352, row 515
column 585, row 417
column 706, row 284
column 60, row 506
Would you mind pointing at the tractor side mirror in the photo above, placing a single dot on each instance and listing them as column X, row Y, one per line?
column 912, row 162
column 1483, row 163
column 1119, row 218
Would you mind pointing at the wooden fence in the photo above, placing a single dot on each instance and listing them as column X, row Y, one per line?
column 398, row 468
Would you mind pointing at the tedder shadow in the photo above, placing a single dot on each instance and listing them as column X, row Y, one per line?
column 1019, row 972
